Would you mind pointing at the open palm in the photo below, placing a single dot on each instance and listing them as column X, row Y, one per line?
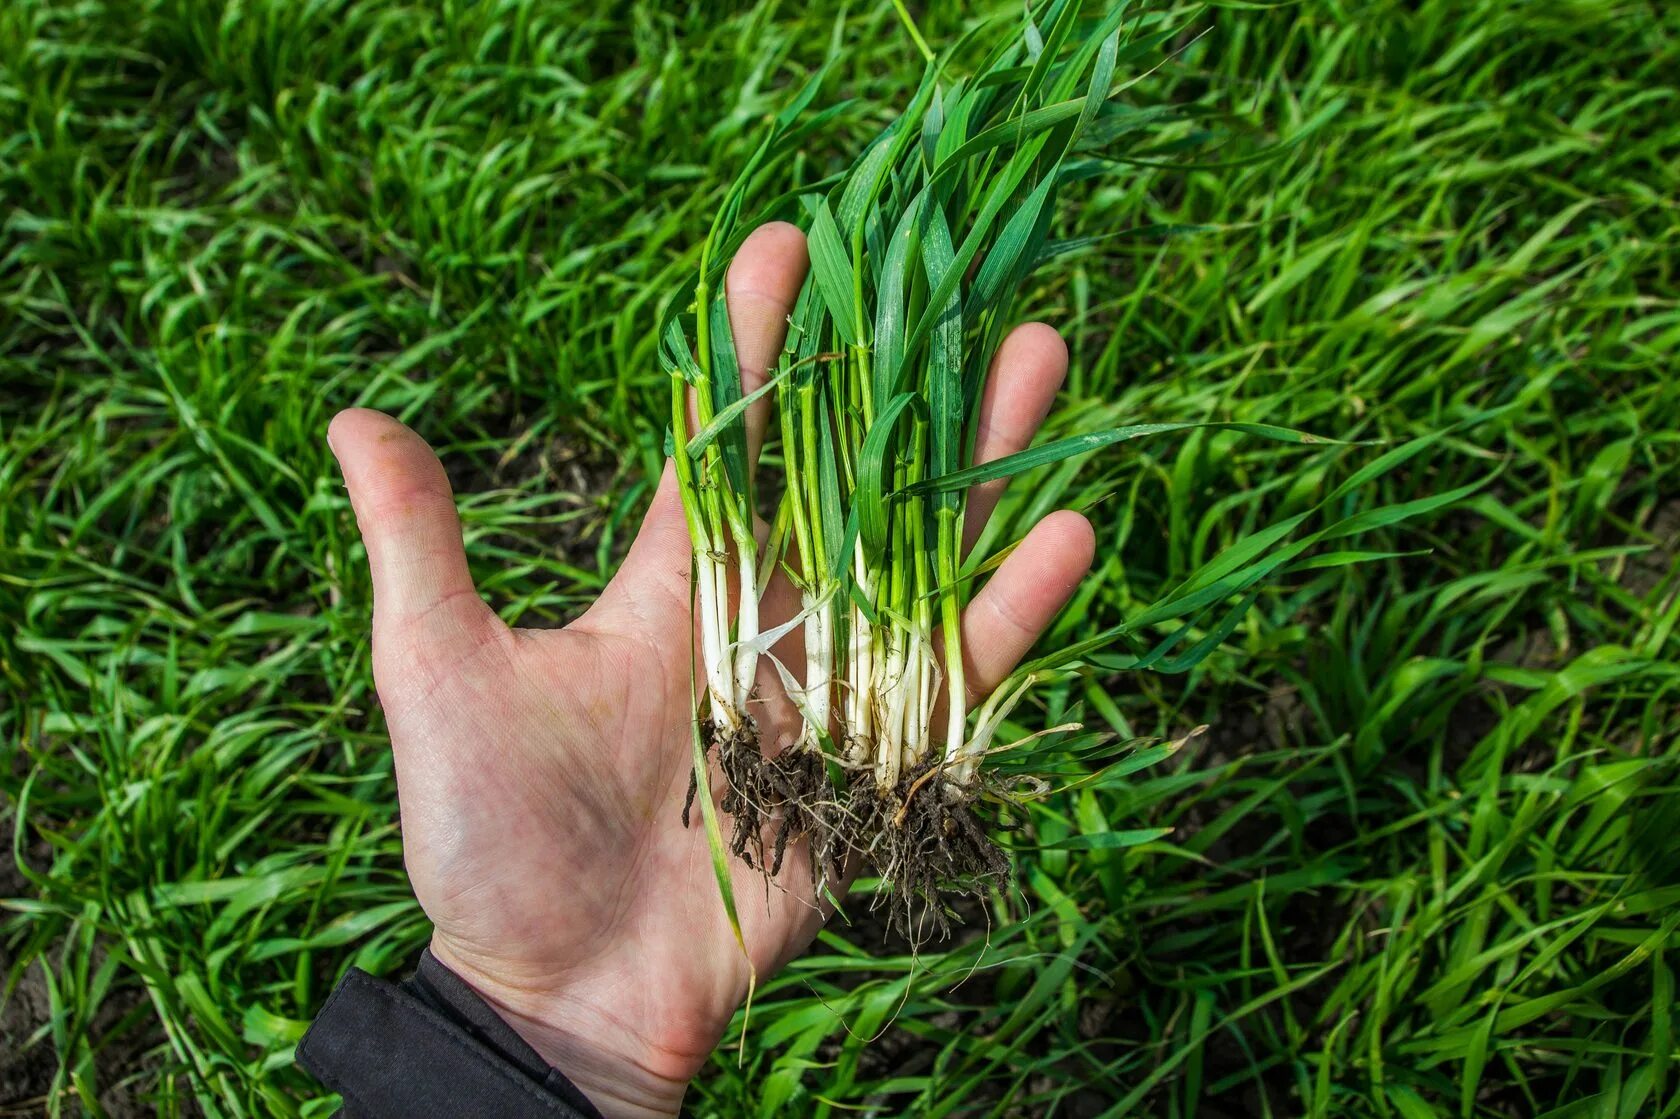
column 541, row 773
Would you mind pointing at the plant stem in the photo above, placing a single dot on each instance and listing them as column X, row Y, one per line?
column 950, row 606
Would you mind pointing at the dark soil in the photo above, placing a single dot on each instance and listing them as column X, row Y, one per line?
column 128, row 1048
column 26, row 1072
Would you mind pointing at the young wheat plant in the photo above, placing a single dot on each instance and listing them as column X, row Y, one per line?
column 917, row 253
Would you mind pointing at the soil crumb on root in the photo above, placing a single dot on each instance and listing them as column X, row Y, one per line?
column 928, row 847
column 774, row 802
column 808, row 808
column 749, row 796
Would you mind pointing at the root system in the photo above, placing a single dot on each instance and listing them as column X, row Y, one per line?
column 922, row 837
column 808, row 808
column 925, row 842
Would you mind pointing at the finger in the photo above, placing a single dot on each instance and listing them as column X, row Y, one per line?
column 652, row 582
column 1026, row 374
column 1023, row 597
column 406, row 513
column 762, row 285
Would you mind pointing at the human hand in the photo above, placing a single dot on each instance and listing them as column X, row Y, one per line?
column 542, row 773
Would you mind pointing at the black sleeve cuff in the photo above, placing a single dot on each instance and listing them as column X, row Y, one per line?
column 430, row 1047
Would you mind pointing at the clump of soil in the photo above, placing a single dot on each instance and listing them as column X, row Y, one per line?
column 749, row 798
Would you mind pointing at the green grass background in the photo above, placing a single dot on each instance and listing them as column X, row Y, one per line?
column 1423, row 864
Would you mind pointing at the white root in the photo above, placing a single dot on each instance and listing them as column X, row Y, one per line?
column 819, row 665
column 920, row 722
column 915, row 732
column 889, row 739
column 745, row 650
column 714, row 641
column 992, row 714
column 860, row 647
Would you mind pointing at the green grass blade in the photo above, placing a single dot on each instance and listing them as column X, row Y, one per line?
column 1060, row 449
column 944, row 388
column 677, row 356
column 831, row 264
column 875, row 464
column 1016, row 248
column 890, row 302
column 726, row 393
column 731, row 418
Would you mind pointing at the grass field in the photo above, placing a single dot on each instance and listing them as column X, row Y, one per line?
column 1423, row 862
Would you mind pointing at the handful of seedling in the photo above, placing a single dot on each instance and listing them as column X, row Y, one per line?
column 917, row 253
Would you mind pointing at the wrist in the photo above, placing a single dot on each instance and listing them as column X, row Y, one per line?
column 622, row 1076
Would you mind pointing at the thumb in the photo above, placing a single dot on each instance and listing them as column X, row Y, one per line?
column 422, row 592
